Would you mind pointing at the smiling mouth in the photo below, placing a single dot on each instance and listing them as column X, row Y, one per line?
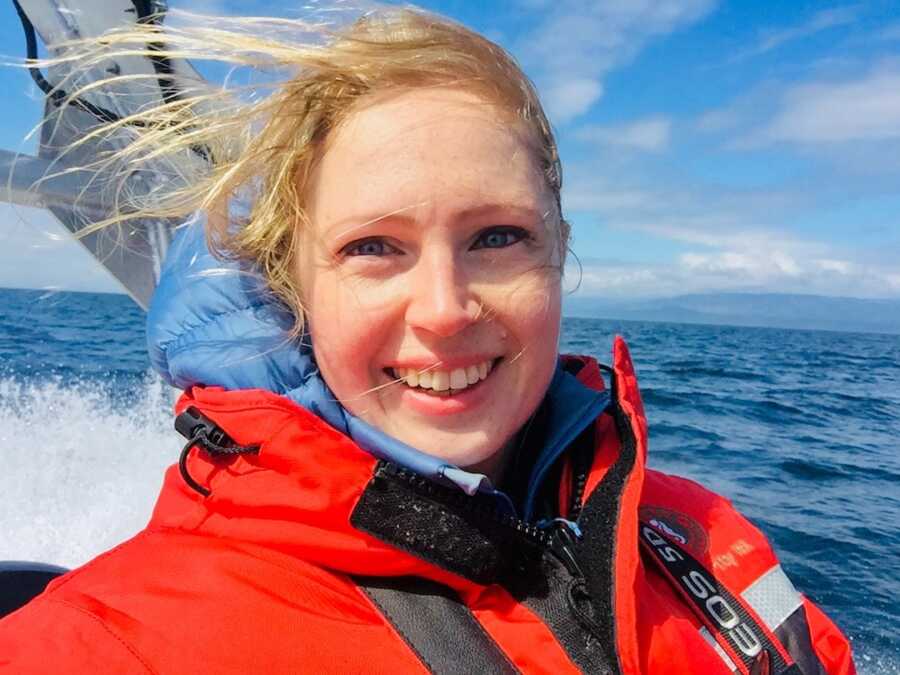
column 444, row 382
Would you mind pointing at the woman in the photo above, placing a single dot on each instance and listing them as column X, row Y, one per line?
column 420, row 482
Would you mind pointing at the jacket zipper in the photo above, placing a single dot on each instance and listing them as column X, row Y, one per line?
column 577, row 496
column 557, row 542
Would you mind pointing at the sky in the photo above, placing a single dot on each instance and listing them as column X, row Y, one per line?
column 707, row 145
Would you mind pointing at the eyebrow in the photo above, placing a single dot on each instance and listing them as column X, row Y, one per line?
column 398, row 215
column 488, row 209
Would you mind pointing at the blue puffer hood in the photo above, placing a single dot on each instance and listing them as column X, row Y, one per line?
column 214, row 323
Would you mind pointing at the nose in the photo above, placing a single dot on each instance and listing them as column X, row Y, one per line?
column 440, row 300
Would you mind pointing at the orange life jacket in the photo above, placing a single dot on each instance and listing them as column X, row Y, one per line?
column 310, row 555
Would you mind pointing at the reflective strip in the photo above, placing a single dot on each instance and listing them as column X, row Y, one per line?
column 773, row 597
column 715, row 645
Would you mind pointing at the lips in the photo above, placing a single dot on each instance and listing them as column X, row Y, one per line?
column 442, row 380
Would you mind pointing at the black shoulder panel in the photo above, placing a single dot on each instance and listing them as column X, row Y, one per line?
column 436, row 626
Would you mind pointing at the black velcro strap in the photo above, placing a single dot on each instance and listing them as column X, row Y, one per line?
column 794, row 635
column 436, row 625
column 439, row 524
column 737, row 630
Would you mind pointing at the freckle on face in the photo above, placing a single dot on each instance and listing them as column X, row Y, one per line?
column 428, row 157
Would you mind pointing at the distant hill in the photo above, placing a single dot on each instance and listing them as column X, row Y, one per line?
column 774, row 310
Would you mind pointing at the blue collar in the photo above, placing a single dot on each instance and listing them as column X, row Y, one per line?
column 215, row 323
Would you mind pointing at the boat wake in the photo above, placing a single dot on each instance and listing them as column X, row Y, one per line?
column 81, row 468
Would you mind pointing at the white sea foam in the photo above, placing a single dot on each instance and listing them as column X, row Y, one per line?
column 80, row 474
column 871, row 661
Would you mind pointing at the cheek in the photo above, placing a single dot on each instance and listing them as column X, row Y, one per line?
column 346, row 341
column 537, row 317
column 541, row 327
column 535, row 321
column 530, row 306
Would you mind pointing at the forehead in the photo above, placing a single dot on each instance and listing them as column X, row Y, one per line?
column 440, row 147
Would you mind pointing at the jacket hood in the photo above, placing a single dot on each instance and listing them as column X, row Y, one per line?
column 214, row 322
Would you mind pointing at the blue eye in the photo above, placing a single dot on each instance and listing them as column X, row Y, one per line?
column 374, row 247
column 500, row 237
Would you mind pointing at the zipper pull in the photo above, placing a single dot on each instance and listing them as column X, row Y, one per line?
column 562, row 545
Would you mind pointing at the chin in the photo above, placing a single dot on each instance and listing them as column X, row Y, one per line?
column 479, row 457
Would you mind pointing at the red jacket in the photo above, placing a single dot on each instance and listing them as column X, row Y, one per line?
column 292, row 564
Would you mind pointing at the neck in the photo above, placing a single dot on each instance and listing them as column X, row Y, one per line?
column 495, row 466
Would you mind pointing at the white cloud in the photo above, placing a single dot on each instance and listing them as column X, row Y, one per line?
column 823, row 20
column 577, row 43
column 791, row 270
column 771, row 271
column 720, row 230
column 612, row 279
column 865, row 109
column 718, row 120
column 569, row 98
column 749, row 265
column 839, row 266
column 651, row 134
column 720, row 239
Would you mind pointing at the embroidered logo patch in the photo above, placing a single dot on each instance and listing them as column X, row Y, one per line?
column 678, row 527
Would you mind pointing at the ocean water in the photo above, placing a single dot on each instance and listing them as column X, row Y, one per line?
column 800, row 429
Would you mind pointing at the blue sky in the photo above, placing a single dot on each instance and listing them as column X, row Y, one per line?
column 706, row 145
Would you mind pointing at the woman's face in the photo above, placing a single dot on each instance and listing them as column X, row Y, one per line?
column 431, row 275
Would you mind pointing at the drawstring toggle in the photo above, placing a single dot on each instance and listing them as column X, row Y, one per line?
column 202, row 431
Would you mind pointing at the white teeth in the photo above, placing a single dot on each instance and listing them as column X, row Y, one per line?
column 442, row 380
column 458, row 379
column 471, row 375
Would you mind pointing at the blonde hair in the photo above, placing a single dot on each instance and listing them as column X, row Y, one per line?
column 264, row 148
